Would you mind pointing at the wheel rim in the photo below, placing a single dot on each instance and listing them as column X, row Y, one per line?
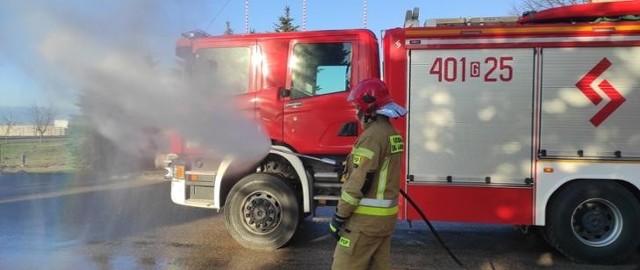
column 597, row 222
column 261, row 213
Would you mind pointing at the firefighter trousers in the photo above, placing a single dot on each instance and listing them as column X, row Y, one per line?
column 356, row 250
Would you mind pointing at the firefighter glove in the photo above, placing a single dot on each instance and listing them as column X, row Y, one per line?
column 336, row 225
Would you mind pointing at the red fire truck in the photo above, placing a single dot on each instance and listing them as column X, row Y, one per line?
column 530, row 121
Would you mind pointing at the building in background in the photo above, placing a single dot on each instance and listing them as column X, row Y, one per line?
column 59, row 128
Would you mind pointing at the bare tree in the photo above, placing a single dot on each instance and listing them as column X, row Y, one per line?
column 9, row 122
column 536, row 5
column 41, row 118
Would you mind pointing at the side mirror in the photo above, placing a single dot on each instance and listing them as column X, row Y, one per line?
column 285, row 92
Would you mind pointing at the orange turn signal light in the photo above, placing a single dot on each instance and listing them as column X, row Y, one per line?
column 547, row 170
column 179, row 172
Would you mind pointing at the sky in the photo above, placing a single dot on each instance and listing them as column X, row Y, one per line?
column 25, row 79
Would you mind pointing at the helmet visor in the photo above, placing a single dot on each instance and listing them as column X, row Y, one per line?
column 392, row 110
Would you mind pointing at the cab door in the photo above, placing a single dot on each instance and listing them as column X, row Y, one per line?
column 317, row 119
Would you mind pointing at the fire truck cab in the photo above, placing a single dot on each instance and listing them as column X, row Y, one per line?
column 528, row 121
column 295, row 85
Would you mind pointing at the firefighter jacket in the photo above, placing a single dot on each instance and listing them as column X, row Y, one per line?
column 369, row 197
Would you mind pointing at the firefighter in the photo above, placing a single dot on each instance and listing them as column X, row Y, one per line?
column 366, row 215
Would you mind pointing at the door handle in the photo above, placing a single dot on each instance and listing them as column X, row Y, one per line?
column 293, row 104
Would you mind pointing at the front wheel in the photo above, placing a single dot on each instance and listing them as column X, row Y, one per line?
column 261, row 212
column 594, row 222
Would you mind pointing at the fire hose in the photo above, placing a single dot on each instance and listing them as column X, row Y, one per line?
column 404, row 194
column 433, row 230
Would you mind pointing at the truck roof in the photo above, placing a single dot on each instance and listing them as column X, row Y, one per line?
column 582, row 21
column 188, row 39
column 583, row 12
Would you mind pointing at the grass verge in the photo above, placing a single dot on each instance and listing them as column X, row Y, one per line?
column 31, row 155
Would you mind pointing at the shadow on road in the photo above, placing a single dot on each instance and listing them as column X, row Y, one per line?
column 61, row 207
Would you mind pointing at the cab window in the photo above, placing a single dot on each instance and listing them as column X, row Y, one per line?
column 320, row 69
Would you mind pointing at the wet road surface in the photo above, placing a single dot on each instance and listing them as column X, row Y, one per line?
column 61, row 221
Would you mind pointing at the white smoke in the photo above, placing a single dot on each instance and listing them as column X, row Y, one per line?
column 117, row 60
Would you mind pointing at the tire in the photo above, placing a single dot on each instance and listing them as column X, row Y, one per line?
column 594, row 221
column 261, row 212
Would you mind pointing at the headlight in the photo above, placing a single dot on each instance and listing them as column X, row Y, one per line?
column 169, row 174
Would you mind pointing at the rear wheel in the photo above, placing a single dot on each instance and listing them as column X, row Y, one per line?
column 261, row 212
column 594, row 222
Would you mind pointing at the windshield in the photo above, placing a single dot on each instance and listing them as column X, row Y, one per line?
column 221, row 69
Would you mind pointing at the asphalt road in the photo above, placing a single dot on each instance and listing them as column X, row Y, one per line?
column 60, row 221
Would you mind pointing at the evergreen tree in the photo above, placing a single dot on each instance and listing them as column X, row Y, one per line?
column 229, row 30
column 285, row 23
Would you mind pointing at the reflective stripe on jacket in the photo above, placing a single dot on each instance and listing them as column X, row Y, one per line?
column 372, row 208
